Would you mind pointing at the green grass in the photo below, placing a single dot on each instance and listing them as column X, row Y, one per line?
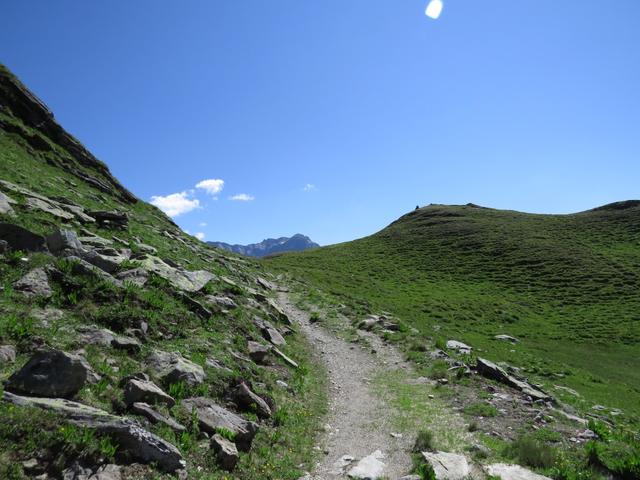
column 567, row 286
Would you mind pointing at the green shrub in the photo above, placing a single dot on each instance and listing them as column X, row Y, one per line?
column 16, row 328
column 481, row 409
column 529, row 451
column 424, row 441
column 439, row 369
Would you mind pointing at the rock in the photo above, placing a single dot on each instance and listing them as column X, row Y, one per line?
column 178, row 277
column 48, row 207
column 265, row 284
column 195, row 306
column 105, row 472
column 369, row 323
column 223, row 302
column 144, row 248
column 5, row 205
column 448, row 466
column 50, row 374
column 226, row 452
column 92, row 335
column 270, row 333
column 61, row 240
column 4, row 247
column 258, row 352
column 34, row 284
column 77, row 211
column 136, row 276
column 410, row 477
column 110, row 219
column 133, row 440
column 172, row 367
column 459, row 347
column 19, row 238
column 82, row 267
column 105, row 263
column 506, row 338
column 145, row 410
column 286, row 359
column 212, row 417
column 278, row 311
column 7, row 354
column 491, row 370
column 245, row 398
column 130, row 344
column 369, row 468
column 512, row 472
column 47, row 316
column 95, row 241
column 137, row 390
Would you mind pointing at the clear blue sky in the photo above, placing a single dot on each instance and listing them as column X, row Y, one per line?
column 526, row 105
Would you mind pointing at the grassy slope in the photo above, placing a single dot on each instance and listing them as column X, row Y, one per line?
column 283, row 443
column 568, row 286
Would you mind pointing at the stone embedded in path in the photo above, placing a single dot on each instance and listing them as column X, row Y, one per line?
column 512, row 472
column 34, row 284
column 212, row 417
column 448, row 466
column 50, row 374
column 133, row 440
column 369, row 468
column 172, row 367
column 226, row 452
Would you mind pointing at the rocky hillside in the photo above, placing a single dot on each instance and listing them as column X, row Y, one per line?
column 129, row 349
column 270, row 246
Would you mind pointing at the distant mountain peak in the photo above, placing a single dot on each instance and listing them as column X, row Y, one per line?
column 269, row 246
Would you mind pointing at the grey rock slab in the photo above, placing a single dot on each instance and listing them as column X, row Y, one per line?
column 212, row 417
column 489, row 369
column 5, row 205
column 63, row 240
column 137, row 390
column 258, row 352
column 19, row 238
column 459, row 347
column 226, row 452
column 249, row 400
column 271, row 333
column 370, row 467
column 129, row 344
column 135, row 441
column 7, row 354
column 512, row 472
column 49, row 207
column 285, row 358
column 179, row 278
column 172, row 367
column 147, row 411
column 34, row 284
column 82, row 267
column 506, row 338
column 267, row 285
column 52, row 373
column 223, row 302
column 136, row 276
column 448, row 466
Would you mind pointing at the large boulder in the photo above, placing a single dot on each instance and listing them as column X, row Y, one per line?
column 512, row 472
column 20, row 238
column 133, row 440
column 490, row 370
column 246, row 399
column 258, row 352
column 61, row 240
column 178, row 277
column 172, row 367
column 5, row 205
column 139, row 390
column 52, row 373
column 370, row 467
column 226, row 452
column 82, row 267
column 212, row 417
column 448, row 466
column 34, row 284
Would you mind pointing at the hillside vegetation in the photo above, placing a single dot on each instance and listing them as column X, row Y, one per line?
column 566, row 286
column 124, row 341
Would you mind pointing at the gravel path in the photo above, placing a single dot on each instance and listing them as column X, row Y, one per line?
column 358, row 422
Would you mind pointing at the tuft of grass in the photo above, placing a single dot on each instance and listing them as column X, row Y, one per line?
column 424, row 441
column 481, row 409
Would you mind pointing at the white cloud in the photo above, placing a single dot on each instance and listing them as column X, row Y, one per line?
column 200, row 236
column 309, row 187
column 176, row 203
column 202, row 224
column 242, row 197
column 213, row 186
column 434, row 9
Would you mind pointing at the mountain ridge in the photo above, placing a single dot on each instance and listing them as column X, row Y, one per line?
column 270, row 246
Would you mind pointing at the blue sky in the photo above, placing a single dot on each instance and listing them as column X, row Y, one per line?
column 526, row 105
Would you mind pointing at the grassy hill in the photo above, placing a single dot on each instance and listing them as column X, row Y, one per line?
column 567, row 286
column 160, row 305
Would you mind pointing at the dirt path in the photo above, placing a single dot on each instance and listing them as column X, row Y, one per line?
column 359, row 420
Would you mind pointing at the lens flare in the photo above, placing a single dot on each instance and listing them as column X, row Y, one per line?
column 434, row 9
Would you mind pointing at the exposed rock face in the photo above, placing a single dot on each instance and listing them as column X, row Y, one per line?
column 512, row 472
column 153, row 416
column 34, row 284
column 491, row 370
column 50, row 374
column 137, row 390
column 370, row 467
column 249, row 400
column 448, row 466
column 136, row 276
column 226, row 452
column 212, row 416
column 61, row 240
column 172, row 367
column 133, row 440
column 19, row 238
column 179, row 278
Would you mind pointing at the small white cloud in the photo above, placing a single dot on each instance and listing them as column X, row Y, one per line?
column 176, row 203
column 200, row 236
column 242, row 197
column 309, row 187
column 434, row 9
column 202, row 224
column 213, row 186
